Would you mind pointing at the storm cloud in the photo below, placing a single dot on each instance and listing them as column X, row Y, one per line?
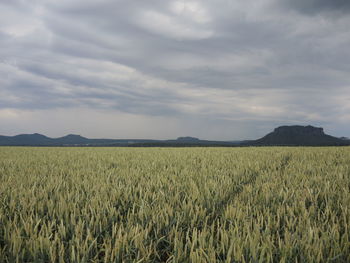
column 161, row 69
column 317, row 6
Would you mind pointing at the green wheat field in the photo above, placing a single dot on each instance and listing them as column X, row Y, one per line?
column 267, row 204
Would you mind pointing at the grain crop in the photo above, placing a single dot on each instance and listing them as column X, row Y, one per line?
column 254, row 204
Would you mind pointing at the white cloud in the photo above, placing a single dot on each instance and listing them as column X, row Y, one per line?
column 172, row 26
column 192, row 10
column 8, row 114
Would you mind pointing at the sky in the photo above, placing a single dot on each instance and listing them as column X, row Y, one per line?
column 213, row 69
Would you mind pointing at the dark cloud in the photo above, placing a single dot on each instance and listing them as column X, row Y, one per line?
column 318, row 6
column 229, row 65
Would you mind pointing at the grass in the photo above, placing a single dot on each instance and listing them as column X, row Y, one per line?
column 175, row 204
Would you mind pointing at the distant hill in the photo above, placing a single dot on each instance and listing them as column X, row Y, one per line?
column 77, row 140
column 26, row 139
column 187, row 139
column 283, row 136
column 72, row 139
column 299, row 136
column 68, row 140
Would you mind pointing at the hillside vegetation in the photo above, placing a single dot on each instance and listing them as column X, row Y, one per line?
column 175, row 205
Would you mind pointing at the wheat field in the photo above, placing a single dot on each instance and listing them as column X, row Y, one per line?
column 268, row 204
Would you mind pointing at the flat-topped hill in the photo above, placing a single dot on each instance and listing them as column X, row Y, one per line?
column 299, row 136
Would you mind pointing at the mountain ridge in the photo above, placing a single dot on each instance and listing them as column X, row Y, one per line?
column 294, row 135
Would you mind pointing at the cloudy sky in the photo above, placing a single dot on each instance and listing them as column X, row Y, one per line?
column 214, row 69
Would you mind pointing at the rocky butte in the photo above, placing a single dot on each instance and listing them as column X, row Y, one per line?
column 297, row 135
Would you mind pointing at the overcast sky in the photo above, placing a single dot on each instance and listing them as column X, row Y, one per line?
column 214, row 69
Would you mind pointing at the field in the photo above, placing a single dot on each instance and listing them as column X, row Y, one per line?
column 175, row 204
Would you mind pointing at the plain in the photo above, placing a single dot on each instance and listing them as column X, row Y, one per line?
column 254, row 204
